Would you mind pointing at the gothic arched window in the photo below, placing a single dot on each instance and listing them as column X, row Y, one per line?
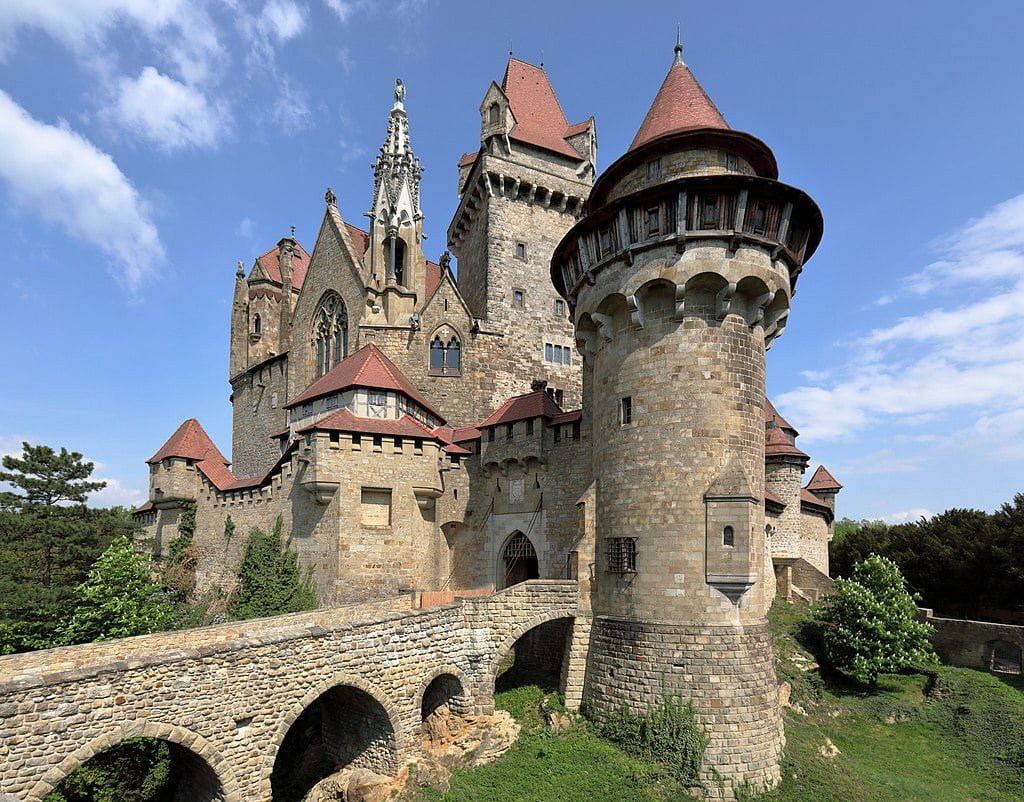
column 445, row 354
column 493, row 114
column 257, row 325
column 330, row 333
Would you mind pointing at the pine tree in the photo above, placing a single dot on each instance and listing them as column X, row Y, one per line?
column 269, row 579
column 48, row 540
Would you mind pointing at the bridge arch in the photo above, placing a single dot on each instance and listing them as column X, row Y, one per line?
column 445, row 685
column 362, row 727
column 207, row 767
column 544, row 619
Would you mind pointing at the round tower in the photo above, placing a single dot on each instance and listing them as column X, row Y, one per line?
column 680, row 275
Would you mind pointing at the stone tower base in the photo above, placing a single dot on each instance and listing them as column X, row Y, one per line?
column 727, row 671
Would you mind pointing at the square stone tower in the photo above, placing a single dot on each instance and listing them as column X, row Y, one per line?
column 519, row 194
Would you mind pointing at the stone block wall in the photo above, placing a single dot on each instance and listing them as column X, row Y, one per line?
column 970, row 644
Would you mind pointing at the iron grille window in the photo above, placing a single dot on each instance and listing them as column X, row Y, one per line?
column 621, row 555
column 626, row 411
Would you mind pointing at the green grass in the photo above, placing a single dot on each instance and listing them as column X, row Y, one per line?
column 951, row 735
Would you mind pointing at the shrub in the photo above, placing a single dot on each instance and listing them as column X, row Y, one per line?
column 870, row 623
column 667, row 734
column 269, row 579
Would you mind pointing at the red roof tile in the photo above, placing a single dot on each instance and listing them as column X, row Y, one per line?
column 771, row 498
column 344, row 421
column 466, row 434
column 808, row 499
column 776, row 444
column 467, row 159
column 190, row 441
column 537, row 404
column 367, row 367
column 271, row 262
column 144, row 507
column 567, row 417
column 579, row 128
column 540, row 120
column 433, row 279
column 681, row 103
column 771, row 415
column 360, row 238
column 823, row 481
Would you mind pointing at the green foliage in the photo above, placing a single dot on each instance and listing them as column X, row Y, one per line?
column 135, row 770
column 118, row 599
column 178, row 548
column 229, row 529
column 870, row 626
column 48, row 540
column 959, row 561
column 668, row 734
column 269, row 579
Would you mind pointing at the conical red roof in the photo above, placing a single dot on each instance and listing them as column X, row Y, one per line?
column 681, row 103
column 823, row 481
column 771, row 415
column 190, row 441
column 776, row 444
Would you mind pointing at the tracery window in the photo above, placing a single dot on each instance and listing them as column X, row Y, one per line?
column 330, row 333
column 445, row 354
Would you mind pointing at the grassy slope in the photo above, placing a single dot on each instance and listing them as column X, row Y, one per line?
column 958, row 736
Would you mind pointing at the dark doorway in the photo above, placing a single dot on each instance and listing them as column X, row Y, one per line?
column 519, row 561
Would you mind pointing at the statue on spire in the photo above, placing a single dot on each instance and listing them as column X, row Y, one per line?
column 399, row 91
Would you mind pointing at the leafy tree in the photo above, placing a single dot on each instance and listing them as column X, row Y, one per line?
column 135, row 770
column 118, row 599
column 48, row 540
column 269, row 579
column 870, row 623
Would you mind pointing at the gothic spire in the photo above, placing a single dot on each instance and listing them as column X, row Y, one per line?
column 396, row 172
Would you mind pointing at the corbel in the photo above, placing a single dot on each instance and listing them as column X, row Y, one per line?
column 723, row 300
column 636, row 311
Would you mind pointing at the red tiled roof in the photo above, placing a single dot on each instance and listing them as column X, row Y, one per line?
column 540, row 120
column 344, row 421
column 360, row 238
column 537, row 404
column 771, row 498
column 271, row 262
column 467, row 159
column 808, row 499
column 190, row 441
column 466, row 434
column 567, row 417
column 681, row 103
column 144, row 507
column 776, row 444
column 579, row 128
column 367, row 367
column 454, row 448
column 432, row 280
column 823, row 480
column 771, row 414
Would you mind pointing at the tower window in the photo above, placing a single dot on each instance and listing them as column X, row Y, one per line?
column 728, row 536
column 653, row 222
column 257, row 324
column 509, row 430
column 445, row 355
column 529, row 426
column 621, row 555
column 330, row 333
column 558, row 434
column 555, row 395
column 494, row 114
column 519, row 299
column 559, row 307
column 709, row 215
column 654, row 169
column 576, row 430
column 490, row 434
column 626, row 410
column 557, row 354
column 520, row 250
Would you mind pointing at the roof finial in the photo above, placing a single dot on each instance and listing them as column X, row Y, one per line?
column 542, row 58
column 679, row 44
column 293, row 232
column 510, row 47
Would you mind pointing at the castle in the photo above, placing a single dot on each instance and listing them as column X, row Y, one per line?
column 585, row 400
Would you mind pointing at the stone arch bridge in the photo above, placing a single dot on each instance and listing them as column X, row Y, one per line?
column 240, row 704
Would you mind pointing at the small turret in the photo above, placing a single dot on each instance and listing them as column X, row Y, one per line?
column 239, row 354
column 286, row 249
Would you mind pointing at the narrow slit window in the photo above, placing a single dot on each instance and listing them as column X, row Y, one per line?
column 626, row 411
column 728, row 536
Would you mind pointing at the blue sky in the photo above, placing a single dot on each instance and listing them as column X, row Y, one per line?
column 148, row 145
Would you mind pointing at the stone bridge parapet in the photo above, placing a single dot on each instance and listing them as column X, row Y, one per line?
column 227, row 696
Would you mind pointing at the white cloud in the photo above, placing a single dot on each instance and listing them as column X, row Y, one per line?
column 247, row 228
column 116, row 493
column 343, row 9
column 169, row 114
column 56, row 173
column 914, row 371
column 291, row 110
column 908, row 515
column 280, row 20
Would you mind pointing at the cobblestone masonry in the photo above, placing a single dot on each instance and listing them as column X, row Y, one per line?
column 229, row 694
